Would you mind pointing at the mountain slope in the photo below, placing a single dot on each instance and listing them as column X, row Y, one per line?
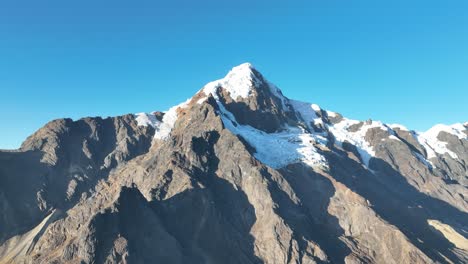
column 236, row 174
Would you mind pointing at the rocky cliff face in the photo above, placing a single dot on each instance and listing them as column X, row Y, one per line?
column 237, row 174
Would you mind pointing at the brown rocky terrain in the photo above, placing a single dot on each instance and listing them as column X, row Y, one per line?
column 237, row 174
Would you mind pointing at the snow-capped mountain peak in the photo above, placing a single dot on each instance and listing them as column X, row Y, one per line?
column 239, row 82
column 255, row 109
column 434, row 145
column 286, row 181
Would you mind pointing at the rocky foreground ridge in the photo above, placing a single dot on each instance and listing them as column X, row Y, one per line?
column 238, row 173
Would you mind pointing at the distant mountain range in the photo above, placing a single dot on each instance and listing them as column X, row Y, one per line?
column 238, row 173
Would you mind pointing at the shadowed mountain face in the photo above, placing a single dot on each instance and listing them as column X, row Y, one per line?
column 237, row 174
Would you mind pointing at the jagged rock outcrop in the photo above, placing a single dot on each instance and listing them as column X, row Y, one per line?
column 237, row 174
column 60, row 164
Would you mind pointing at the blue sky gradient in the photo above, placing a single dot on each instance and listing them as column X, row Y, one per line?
column 396, row 61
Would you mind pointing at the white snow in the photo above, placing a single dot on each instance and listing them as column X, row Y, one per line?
column 401, row 127
column 164, row 128
column 278, row 149
column 145, row 119
column 341, row 133
column 239, row 82
column 331, row 114
column 435, row 146
column 393, row 137
column 295, row 144
column 316, row 108
column 455, row 129
column 201, row 100
column 307, row 150
column 273, row 149
column 277, row 92
column 307, row 112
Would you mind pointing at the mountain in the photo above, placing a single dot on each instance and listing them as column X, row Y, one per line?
column 238, row 173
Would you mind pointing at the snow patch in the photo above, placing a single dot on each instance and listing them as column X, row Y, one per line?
column 146, row 119
column 202, row 100
column 163, row 128
column 401, row 127
column 239, row 82
column 295, row 144
column 316, row 108
column 455, row 129
column 278, row 149
column 435, row 146
column 278, row 94
column 307, row 112
column 342, row 134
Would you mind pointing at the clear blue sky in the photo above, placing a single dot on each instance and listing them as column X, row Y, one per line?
column 395, row 61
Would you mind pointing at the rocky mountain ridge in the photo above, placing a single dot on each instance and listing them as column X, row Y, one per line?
column 238, row 173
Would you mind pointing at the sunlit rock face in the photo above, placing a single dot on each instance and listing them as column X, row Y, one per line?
column 238, row 173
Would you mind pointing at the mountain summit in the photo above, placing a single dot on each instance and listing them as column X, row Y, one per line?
column 242, row 81
column 238, row 173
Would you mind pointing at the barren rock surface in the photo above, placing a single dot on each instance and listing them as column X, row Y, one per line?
column 107, row 191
